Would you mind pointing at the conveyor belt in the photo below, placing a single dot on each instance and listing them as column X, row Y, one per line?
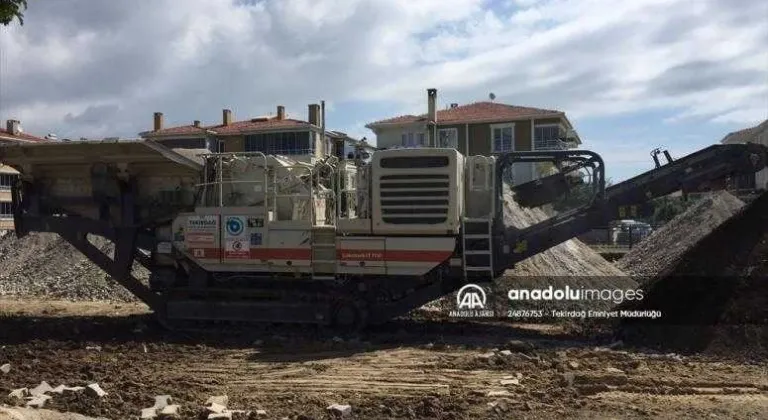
column 705, row 168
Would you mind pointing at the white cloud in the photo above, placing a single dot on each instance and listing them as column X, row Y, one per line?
column 701, row 59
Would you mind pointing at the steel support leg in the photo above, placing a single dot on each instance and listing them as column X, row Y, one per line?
column 120, row 267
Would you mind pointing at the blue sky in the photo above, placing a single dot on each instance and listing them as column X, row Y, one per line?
column 631, row 75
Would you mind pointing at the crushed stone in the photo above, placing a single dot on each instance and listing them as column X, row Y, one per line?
column 43, row 265
column 664, row 247
column 571, row 263
column 570, row 258
column 714, row 298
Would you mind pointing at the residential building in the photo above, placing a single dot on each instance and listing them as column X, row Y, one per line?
column 345, row 147
column 12, row 133
column 482, row 128
column 275, row 134
column 757, row 134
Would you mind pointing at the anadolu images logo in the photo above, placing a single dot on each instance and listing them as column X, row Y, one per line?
column 234, row 226
column 471, row 301
column 471, row 296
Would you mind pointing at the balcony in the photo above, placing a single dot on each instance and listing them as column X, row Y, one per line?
column 552, row 144
column 6, row 180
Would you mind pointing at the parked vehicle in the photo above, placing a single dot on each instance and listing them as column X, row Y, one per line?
column 628, row 232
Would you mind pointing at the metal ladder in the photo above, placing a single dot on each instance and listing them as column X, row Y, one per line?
column 477, row 232
column 477, row 245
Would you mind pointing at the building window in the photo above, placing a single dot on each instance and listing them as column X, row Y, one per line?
column 448, row 138
column 413, row 139
column 547, row 137
column 286, row 143
column 5, row 210
column 7, row 181
column 503, row 137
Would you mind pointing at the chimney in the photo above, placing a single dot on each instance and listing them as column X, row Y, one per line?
column 196, row 123
column 280, row 112
column 324, row 140
column 226, row 117
column 13, row 127
column 314, row 115
column 158, row 121
column 432, row 116
column 432, row 105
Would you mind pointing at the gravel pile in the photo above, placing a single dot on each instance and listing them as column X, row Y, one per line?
column 571, row 263
column 664, row 247
column 43, row 265
column 570, row 258
column 715, row 297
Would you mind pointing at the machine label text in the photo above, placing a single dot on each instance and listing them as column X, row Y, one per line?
column 362, row 255
column 202, row 223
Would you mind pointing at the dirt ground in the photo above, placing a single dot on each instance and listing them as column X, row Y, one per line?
column 404, row 369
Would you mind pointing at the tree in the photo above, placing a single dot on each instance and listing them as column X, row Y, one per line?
column 12, row 9
column 666, row 208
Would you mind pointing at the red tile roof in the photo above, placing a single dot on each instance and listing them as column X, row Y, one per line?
column 235, row 128
column 184, row 130
column 242, row 127
column 475, row 112
column 21, row 136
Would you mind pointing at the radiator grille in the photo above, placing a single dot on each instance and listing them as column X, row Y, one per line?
column 414, row 198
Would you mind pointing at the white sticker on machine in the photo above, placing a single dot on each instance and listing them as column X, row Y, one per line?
column 236, row 248
column 201, row 231
column 237, row 241
column 202, row 223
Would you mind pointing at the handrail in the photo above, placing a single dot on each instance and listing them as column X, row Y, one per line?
column 308, row 196
column 348, row 192
column 271, row 184
column 331, row 192
column 220, row 175
column 231, row 154
column 230, row 181
column 221, row 183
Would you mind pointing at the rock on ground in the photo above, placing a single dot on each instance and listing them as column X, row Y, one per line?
column 45, row 265
column 664, row 247
column 17, row 413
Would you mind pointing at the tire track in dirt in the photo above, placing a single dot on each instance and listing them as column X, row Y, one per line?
column 401, row 372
